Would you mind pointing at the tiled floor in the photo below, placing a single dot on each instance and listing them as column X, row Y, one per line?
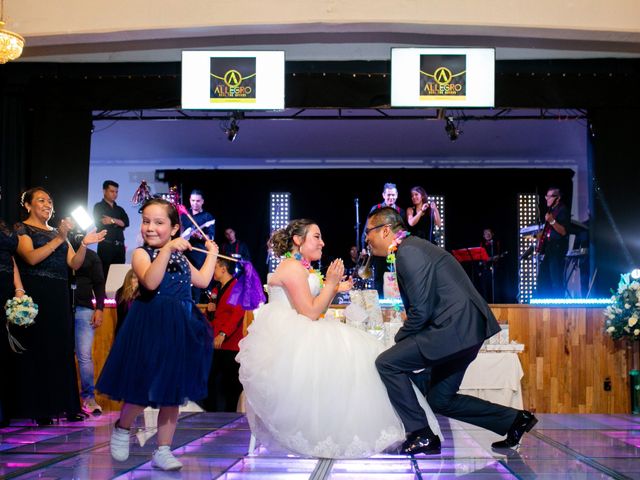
column 214, row 445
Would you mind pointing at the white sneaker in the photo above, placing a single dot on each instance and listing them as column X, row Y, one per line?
column 119, row 443
column 91, row 407
column 163, row 459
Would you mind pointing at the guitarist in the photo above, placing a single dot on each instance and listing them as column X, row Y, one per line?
column 206, row 221
column 552, row 246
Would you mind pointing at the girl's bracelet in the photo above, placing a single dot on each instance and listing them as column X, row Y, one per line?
column 20, row 290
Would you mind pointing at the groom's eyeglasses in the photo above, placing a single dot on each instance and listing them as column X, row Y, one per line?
column 369, row 230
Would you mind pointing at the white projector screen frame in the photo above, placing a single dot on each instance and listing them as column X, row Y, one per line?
column 269, row 78
column 406, row 75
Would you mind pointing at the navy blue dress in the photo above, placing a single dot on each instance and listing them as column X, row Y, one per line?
column 162, row 354
column 8, row 245
column 44, row 381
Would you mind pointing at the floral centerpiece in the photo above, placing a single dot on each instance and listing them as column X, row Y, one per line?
column 20, row 311
column 623, row 315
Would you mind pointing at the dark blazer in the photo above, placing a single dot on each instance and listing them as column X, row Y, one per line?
column 445, row 313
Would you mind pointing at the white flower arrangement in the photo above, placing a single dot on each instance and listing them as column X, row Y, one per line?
column 20, row 311
column 621, row 317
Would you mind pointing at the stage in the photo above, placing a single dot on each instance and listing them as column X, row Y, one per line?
column 566, row 361
column 214, row 445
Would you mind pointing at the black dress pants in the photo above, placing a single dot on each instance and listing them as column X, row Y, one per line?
column 224, row 385
column 109, row 253
column 396, row 366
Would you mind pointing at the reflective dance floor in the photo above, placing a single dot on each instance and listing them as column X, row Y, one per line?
column 214, row 445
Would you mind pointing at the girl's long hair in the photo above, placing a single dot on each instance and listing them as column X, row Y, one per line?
column 128, row 292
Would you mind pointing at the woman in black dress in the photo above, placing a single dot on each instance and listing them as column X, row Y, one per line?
column 423, row 216
column 44, row 380
column 10, row 286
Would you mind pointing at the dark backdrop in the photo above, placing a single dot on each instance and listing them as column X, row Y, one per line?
column 474, row 200
column 616, row 194
column 45, row 123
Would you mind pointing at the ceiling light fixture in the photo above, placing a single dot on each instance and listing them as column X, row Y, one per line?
column 11, row 44
column 230, row 126
column 232, row 131
column 452, row 130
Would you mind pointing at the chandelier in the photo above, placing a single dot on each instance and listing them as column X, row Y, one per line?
column 11, row 44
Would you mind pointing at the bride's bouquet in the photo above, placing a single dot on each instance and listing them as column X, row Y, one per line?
column 20, row 311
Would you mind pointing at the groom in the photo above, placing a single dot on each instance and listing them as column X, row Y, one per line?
column 447, row 322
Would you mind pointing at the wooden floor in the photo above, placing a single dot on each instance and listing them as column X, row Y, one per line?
column 568, row 359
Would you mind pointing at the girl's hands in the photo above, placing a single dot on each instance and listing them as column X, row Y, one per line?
column 212, row 247
column 178, row 245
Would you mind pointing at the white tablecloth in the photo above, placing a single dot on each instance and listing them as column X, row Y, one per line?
column 492, row 376
column 495, row 377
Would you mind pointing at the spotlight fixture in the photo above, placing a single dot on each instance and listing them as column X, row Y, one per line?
column 230, row 126
column 232, row 131
column 452, row 131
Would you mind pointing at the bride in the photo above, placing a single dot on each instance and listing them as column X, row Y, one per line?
column 311, row 384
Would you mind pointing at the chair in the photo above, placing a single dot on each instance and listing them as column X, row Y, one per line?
column 115, row 278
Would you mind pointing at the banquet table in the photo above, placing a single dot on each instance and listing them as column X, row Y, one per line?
column 495, row 375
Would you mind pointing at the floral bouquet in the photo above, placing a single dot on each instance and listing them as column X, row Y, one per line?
column 20, row 311
column 621, row 317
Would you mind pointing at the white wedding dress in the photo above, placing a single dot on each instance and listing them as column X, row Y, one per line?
column 312, row 386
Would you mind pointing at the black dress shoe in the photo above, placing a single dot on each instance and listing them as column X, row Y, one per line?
column 44, row 421
column 522, row 424
column 427, row 444
column 76, row 417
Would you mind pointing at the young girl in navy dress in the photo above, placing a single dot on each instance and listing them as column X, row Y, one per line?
column 162, row 355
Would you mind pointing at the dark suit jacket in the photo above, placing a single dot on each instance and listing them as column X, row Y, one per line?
column 445, row 313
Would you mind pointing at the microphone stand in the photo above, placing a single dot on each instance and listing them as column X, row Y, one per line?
column 493, row 278
column 431, row 225
column 473, row 266
column 357, row 227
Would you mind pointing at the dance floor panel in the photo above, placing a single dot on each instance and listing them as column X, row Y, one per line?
column 214, row 446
